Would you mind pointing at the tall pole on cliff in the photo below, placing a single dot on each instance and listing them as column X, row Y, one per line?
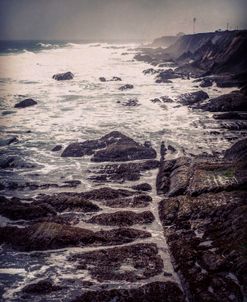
column 194, row 25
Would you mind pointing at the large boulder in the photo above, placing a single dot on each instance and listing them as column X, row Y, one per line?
column 237, row 152
column 26, row 103
column 234, row 101
column 63, row 76
column 192, row 98
column 114, row 146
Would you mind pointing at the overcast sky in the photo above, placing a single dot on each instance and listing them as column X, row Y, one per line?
column 115, row 19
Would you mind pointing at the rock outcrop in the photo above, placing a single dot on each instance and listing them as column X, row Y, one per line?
column 26, row 103
column 114, row 146
column 63, row 76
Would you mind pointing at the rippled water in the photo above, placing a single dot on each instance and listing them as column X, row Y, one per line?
column 85, row 108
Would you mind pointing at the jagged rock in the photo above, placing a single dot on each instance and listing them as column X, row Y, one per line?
column 41, row 287
column 50, row 235
column 155, row 100
column 166, row 99
column 63, row 76
column 26, row 103
column 130, row 263
column 122, row 218
column 114, row 146
column 116, row 79
column 166, row 75
column 142, row 187
column 192, row 98
column 199, row 175
column 16, row 210
column 238, row 151
column 131, row 103
column 122, row 172
column 69, row 202
column 234, row 101
column 57, row 148
column 126, row 86
column 206, row 82
column 151, row 292
column 136, row 201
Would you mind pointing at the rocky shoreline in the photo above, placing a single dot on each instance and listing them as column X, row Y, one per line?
column 180, row 235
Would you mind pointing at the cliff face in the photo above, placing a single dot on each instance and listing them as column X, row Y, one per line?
column 217, row 52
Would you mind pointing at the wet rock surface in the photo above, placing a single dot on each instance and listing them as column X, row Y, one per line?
column 114, row 146
column 198, row 175
column 50, row 235
column 123, row 218
column 152, row 292
column 63, row 76
column 126, row 87
column 206, row 233
column 234, row 101
column 141, row 260
column 26, row 103
column 190, row 99
column 122, row 172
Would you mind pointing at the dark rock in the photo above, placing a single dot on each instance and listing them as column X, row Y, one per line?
column 142, row 261
column 116, row 79
column 234, row 101
column 7, row 112
column 50, row 235
column 152, row 71
column 125, row 87
column 41, row 287
column 122, row 218
column 16, row 210
column 102, row 79
column 142, row 187
column 26, row 103
column 116, row 147
column 63, row 76
column 151, row 292
column 57, row 148
column 230, row 116
column 131, row 103
column 192, row 98
column 166, row 99
column 206, row 82
column 137, row 201
column 166, row 75
column 155, row 100
column 69, row 202
column 238, row 152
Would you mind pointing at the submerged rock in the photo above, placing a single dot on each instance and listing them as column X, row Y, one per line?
column 230, row 116
column 131, row 103
column 114, row 146
column 26, row 103
column 122, row 172
column 126, row 87
column 63, row 76
column 151, row 292
column 8, row 141
column 15, row 162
